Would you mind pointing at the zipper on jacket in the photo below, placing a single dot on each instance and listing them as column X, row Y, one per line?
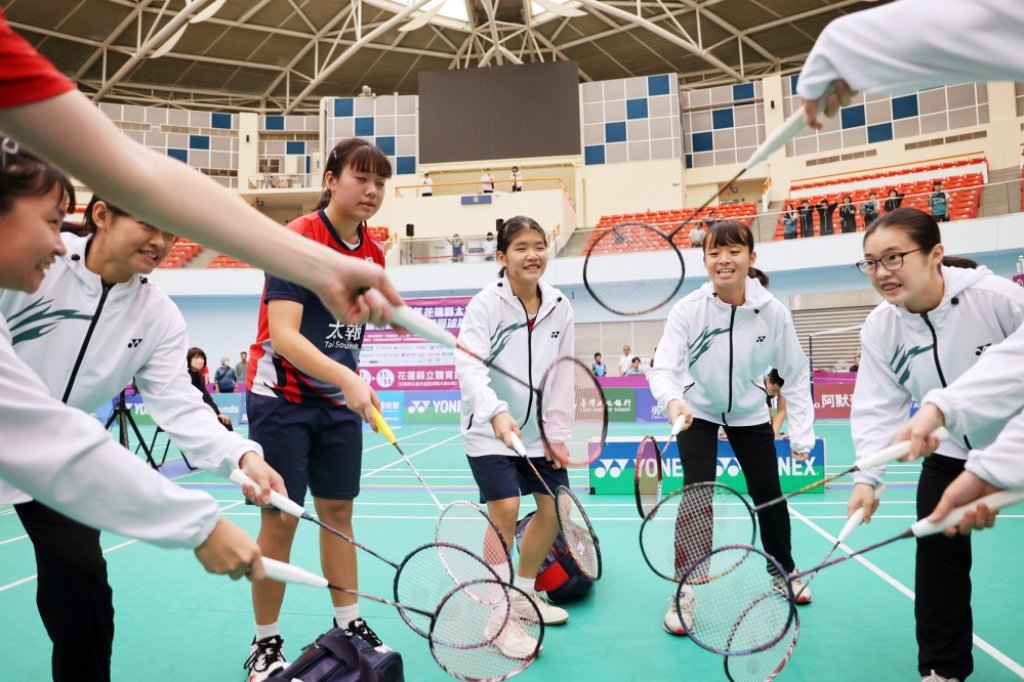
column 85, row 342
column 529, row 358
column 938, row 367
column 732, row 321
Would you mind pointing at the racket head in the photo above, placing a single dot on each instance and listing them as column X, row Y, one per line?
column 690, row 522
column 465, row 524
column 578, row 532
column 467, row 634
column 615, row 285
column 428, row 573
column 647, row 475
column 743, row 602
column 766, row 665
column 572, row 412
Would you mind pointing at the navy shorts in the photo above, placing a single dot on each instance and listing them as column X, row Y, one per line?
column 503, row 476
column 320, row 448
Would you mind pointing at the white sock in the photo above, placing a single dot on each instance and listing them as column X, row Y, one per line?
column 504, row 571
column 264, row 631
column 346, row 614
column 525, row 584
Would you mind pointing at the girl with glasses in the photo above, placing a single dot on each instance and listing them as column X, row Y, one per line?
column 939, row 315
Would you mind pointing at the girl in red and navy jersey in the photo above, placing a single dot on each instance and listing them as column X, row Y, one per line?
column 306, row 401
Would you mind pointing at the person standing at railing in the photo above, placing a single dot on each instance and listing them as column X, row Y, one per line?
column 490, row 247
column 847, row 215
column 456, row 242
column 894, row 201
column 789, row 222
column 870, row 209
column 806, row 219
column 939, row 202
column 517, row 179
column 825, row 211
column 487, row 182
column 427, row 186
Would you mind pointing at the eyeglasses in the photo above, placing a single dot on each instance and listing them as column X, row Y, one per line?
column 891, row 262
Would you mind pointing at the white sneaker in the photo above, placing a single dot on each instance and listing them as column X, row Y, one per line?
column 549, row 613
column 672, row 623
column 801, row 589
column 935, row 677
column 513, row 641
column 266, row 657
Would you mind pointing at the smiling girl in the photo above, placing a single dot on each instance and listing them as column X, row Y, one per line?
column 722, row 337
column 938, row 317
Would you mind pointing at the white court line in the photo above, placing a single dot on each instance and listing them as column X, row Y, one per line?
column 14, row 539
column 1012, row 665
column 418, row 452
column 114, row 548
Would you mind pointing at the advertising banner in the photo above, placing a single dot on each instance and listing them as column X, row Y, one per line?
column 432, row 407
column 832, row 401
column 612, row 472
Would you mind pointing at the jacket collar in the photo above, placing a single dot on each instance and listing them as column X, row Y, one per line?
column 91, row 282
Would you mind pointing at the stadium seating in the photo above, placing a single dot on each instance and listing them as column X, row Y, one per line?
column 224, row 261
column 669, row 220
column 181, row 253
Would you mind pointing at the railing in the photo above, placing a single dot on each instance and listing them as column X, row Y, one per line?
column 439, row 250
column 285, row 181
column 476, row 187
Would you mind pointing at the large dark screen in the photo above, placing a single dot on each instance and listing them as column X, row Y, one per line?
column 502, row 112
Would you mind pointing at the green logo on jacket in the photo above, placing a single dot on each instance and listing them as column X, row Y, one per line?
column 36, row 320
column 703, row 342
column 900, row 362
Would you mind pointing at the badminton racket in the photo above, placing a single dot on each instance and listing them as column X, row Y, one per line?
column 470, row 638
column 732, row 614
column 421, row 577
column 573, row 522
column 571, row 411
column 647, row 470
column 764, row 666
column 617, row 289
column 460, row 523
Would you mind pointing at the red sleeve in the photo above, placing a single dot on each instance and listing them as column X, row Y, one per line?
column 26, row 76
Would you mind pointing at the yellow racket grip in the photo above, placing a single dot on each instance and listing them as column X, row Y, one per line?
column 383, row 428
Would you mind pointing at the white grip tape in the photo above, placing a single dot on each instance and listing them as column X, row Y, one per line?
column 517, row 445
column 894, row 452
column 995, row 501
column 277, row 499
column 404, row 316
column 857, row 517
column 286, row 573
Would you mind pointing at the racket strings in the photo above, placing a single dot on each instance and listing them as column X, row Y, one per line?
column 573, row 412
column 464, row 524
column 647, row 476
column 578, row 533
column 762, row 666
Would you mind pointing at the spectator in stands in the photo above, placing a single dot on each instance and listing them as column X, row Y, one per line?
column 456, row 242
column 776, row 401
column 634, row 367
column 939, row 201
column 697, row 235
column 490, row 246
column 196, row 360
column 625, row 360
column 789, row 222
column 856, row 363
column 427, row 186
column 487, row 182
column 598, row 367
column 825, row 211
column 894, row 201
column 710, row 221
column 242, row 368
column 517, row 179
column 870, row 209
column 806, row 219
column 224, row 379
column 847, row 215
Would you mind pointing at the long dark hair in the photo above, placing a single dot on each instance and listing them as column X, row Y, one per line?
column 729, row 232
column 922, row 230
column 358, row 153
column 89, row 227
column 510, row 228
column 192, row 353
column 22, row 174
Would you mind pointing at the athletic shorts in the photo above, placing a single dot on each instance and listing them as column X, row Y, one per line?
column 500, row 477
column 319, row 448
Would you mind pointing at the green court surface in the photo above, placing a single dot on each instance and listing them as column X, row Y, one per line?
column 176, row 622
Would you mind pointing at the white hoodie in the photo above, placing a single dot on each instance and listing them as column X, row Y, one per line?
column 87, row 343
column 987, row 397
column 64, row 458
column 726, row 351
column 905, row 355
column 495, row 327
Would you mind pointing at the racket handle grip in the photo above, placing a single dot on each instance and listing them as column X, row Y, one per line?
column 517, row 445
column 286, row 573
column 679, row 426
column 277, row 499
column 894, row 452
column 995, row 501
column 425, row 328
column 783, row 134
column 383, row 428
column 857, row 517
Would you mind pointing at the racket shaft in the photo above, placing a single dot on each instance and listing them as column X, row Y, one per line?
column 520, row 449
column 385, row 430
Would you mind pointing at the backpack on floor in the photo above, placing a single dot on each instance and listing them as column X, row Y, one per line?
column 559, row 575
column 336, row 657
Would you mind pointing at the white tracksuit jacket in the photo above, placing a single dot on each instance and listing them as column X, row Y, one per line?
column 64, row 458
column 86, row 343
column 726, row 351
column 986, row 397
column 495, row 327
column 914, row 45
column 906, row 355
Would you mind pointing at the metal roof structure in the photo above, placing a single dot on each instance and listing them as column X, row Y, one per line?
column 281, row 56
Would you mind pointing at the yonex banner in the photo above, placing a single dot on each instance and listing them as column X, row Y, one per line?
column 432, row 407
column 612, row 472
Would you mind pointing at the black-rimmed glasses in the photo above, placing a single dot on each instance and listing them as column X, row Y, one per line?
column 890, row 261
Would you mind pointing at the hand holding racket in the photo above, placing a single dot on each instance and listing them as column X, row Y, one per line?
column 647, row 469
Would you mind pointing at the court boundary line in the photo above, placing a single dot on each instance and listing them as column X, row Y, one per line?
column 1007, row 662
column 415, row 454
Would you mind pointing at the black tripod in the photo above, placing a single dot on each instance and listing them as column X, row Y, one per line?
column 124, row 419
